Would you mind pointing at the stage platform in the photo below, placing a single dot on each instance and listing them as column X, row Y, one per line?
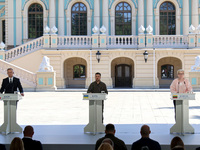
column 71, row 137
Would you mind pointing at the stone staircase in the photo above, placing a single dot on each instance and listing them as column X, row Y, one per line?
column 24, row 49
column 25, row 76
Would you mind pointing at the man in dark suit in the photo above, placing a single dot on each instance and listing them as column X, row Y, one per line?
column 110, row 134
column 11, row 83
column 2, row 147
column 29, row 143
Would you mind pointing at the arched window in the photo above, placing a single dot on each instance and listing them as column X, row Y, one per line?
column 79, row 19
column 167, row 72
column 123, row 19
column 3, row 31
column 79, row 71
column 35, row 21
column 167, row 19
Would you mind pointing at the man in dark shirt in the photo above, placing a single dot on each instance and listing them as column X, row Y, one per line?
column 29, row 143
column 145, row 142
column 2, row 147
column 110, row 134
column 98, row 87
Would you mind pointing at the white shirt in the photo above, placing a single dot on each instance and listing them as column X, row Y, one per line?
column 10, row 79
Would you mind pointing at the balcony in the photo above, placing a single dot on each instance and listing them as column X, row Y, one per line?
column 102, row 41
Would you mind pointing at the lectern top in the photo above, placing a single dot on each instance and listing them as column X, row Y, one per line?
column 94, row 96
column 183, row 96
column 10, row 97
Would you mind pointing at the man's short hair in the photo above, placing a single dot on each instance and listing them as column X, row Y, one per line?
column 28, row 130
column 110, row 128
column 10, row 69
column 98, row 73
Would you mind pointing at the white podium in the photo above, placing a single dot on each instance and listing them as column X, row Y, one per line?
column 10, row 106
column 95, row 124
column 182, row 113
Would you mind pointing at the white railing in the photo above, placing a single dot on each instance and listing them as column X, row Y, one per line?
column 170, row 41
column 24, row 49
column 74, row 41
column 24, row 75
column 122, row 41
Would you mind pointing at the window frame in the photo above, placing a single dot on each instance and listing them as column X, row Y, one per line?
column 123, row 11
column 168, row 71
column 167, row 17
column 79, row 72
column 79, row 12
column 35, row 13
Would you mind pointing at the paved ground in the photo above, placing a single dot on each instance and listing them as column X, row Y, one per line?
column 62, row 108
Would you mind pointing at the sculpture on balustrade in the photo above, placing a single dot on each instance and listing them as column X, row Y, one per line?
column 45, row 65
column 196, row 67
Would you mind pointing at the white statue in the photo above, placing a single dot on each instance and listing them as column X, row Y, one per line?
column 196, row 67
column 45, row 65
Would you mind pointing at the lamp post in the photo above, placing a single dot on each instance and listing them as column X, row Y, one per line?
column 145, row 56
column 98, row 56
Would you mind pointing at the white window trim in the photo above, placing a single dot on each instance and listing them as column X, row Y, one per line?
column 157, row 16
column 1, row 19
column 25, row 16
column 112, row 16
column 68, row 15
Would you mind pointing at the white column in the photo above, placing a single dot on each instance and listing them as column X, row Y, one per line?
column 52, row 13
column 140, row 13
column 61, row 16
column 96, row 13
column 150, row 13
column 185, row 17
column 105, row 15
column 195, row 16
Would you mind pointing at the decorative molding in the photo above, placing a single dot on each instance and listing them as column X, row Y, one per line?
column 35, row 1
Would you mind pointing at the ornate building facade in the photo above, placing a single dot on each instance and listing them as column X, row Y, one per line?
column 120, row 33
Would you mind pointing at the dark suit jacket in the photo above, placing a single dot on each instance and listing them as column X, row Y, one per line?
column 2, row 147
column 11, row 87
column 30, row 144
column 118, row 144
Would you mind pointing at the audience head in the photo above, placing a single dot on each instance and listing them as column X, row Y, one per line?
column 110, row 129
column 109, row 141
column 145, row 131
column 105, row 146
column 177, row 144
column 17, row 144
column 28, row 131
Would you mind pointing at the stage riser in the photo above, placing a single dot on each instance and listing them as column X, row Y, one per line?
column 92, row 147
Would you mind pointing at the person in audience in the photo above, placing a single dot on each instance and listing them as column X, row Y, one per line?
column 105, row 146
column 198, row 148
column 2, row 147
column 110, row 134
column 29, row 143
column 17, row 144
column 109, row 141
column 176, row 143
column 145, row 143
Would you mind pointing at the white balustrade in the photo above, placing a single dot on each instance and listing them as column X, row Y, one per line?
column 74, row 41
column 24, row 75
column 122, row 41
column 24, row 49
column 170, row 41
